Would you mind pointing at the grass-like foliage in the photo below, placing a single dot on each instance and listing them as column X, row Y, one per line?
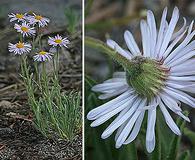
column 56, row 113
column 72, row 19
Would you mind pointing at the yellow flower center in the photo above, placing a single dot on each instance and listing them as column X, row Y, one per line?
column 24, row 29
column 38, row 17
column 58, row 41
column 20, row 45
column 42, row 52
column 19, row 16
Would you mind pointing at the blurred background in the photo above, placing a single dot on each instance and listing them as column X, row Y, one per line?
column 18, row 137
column 109, row 19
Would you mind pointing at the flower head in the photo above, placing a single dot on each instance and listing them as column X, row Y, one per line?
column 58, row 41
column 42, row 56
column 159, row 76
column 19, row 48
column 17, row 17
column 25, row 29
column 38, row 19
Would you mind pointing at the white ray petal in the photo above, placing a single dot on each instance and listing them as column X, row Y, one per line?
column 116, row 47
column 190, row 27
column 121, row 114
column 179, row 48
column 170, row 30
column 170, row 122
column 123, row 135
column 110, row 114
column 183, row 116
column 151, row 124
column 186, row 66
column 170, row 102
column 181, row 96
column 186, row 49
column 182, row 29
column 183, row 78
column 188, row 87
column 150, row 132
column 182, row 59
column 145, row 38
column 132, row 45
column 107, row 106
column 120, row 129
column 184, row 73
column 161, row 32
column 172, row 45
column 153, row 32
column 150, row 144
column 136, row 129
column 115, row 124
column 105, row 86
column 114, row 93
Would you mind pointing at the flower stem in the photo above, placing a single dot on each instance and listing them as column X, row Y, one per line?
column 99, row 45
column 57, row 60
column 56, row 64
column 45, row 80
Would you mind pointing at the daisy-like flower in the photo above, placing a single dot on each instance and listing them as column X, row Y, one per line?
column 17, row 17
column 58, row 41
column 25, row 29
column 38, row 19
column 19, row 48
column 43, row 56
column 160, row 76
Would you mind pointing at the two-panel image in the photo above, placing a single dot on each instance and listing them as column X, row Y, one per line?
column 97, row 80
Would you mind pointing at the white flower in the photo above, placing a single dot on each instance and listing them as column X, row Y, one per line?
column 43, row 56
column 38, row 19
column 19, row 48
column 25, row 29
column 58, row 41
column 17, row 17
column 166, row 61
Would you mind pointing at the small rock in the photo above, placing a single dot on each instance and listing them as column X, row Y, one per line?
column 5, row 104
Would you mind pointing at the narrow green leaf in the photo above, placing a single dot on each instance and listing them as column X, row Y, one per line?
column 185, row 155
column 190, row 134
column 128, row 152
column 174, row 145
column 88, row 7
column 166, row 136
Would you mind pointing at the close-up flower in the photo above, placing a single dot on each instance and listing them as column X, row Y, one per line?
column 25, row 29
column 17, row 17
column 160, row 76
column 38, row 19
column 42, row 56
column 19, row 48
column 58, row 41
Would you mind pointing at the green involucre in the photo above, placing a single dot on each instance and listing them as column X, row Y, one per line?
column 146, row 76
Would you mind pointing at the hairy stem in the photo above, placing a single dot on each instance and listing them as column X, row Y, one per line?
column 101, row 46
